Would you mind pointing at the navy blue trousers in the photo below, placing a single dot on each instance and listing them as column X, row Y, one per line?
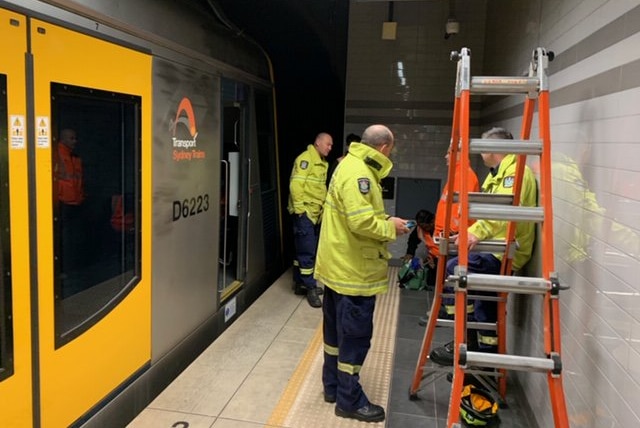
column 347, row 328
column 483, row 310
column 305, row 235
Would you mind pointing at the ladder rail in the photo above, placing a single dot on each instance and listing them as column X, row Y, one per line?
column 442, row 256
column 460, row 330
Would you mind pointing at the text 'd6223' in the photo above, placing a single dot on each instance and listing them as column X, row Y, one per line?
column 190, row 207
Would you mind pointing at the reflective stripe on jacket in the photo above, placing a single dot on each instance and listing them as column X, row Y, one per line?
column 352, row 253
column 68, row 172
column 308, row 184
column 502, row 183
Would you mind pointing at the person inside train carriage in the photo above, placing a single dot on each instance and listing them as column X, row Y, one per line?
column 307, row 191
column 70, row 196
column 473, row 185
column 348, row 140
column 500, row 180
column 352, row 264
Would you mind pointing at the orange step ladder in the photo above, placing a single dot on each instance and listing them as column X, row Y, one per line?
column 535, row 86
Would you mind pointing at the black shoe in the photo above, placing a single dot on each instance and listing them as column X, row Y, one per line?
column 443, row 355
column 301, row 290
column 369, row 413
column 422, row 322
column 313, row 298
column 329, row 398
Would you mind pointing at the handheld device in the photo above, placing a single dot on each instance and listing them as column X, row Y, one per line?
column 411, row 224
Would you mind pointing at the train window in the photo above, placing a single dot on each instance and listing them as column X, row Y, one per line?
column 268, row 181
column 96, row 191
column 6, row 330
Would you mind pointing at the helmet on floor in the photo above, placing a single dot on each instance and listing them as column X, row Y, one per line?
column 478, row 408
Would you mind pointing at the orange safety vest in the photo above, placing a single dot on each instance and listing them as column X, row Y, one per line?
column 472, row 185
column 431, row 246
column 68, row 172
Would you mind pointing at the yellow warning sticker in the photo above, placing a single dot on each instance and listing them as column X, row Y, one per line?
column 42, row 132
column 17, row 132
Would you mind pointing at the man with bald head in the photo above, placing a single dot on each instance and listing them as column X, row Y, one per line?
column 307, row 190
column 352, row 265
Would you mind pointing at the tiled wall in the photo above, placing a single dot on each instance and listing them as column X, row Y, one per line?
column 595, row 130
column 595, row 83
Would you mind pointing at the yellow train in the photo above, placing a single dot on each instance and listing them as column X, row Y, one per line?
column 126, row 252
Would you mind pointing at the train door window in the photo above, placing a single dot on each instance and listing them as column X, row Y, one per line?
column 96, row 191
column 6, row 330
column 233, row 187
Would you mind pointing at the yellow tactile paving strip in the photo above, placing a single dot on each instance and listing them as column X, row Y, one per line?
column 302, row 404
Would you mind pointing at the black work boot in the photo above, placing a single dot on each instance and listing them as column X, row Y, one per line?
column 443, row 355
column 301, row 289
column 313, row 298
column 368, row 413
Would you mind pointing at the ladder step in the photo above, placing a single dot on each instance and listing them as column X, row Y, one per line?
column 500, row 85
column 488, row 246
column 476, row 297
column 487, row 198
column 471, row 324
column 518, row 147
column 507, row 284
column 509, row 213
column 510, row 362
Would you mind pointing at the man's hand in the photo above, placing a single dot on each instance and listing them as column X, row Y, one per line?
column 472, row 240
column 429, row 261
column 401, row 225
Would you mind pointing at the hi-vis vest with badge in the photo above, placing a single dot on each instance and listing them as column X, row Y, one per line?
column 352, row 253
column 502, row 183
column 308, row 184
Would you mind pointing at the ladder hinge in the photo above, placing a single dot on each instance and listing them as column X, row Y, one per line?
column 462, row 282
column 462, row 355
column 557, row 364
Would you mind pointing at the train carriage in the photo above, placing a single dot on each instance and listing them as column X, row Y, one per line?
column 177, row 228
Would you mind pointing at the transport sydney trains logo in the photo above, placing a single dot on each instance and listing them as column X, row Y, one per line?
column 185, row 133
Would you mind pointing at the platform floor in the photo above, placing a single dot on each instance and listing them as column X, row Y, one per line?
column 265, row 370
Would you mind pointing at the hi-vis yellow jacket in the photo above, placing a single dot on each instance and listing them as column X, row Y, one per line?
column 502, row 183
column 352, row 253
column 308, row 184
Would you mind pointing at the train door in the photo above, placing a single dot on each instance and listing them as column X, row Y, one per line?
column 91, row 184
column 16, row 406
column 234, row 206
